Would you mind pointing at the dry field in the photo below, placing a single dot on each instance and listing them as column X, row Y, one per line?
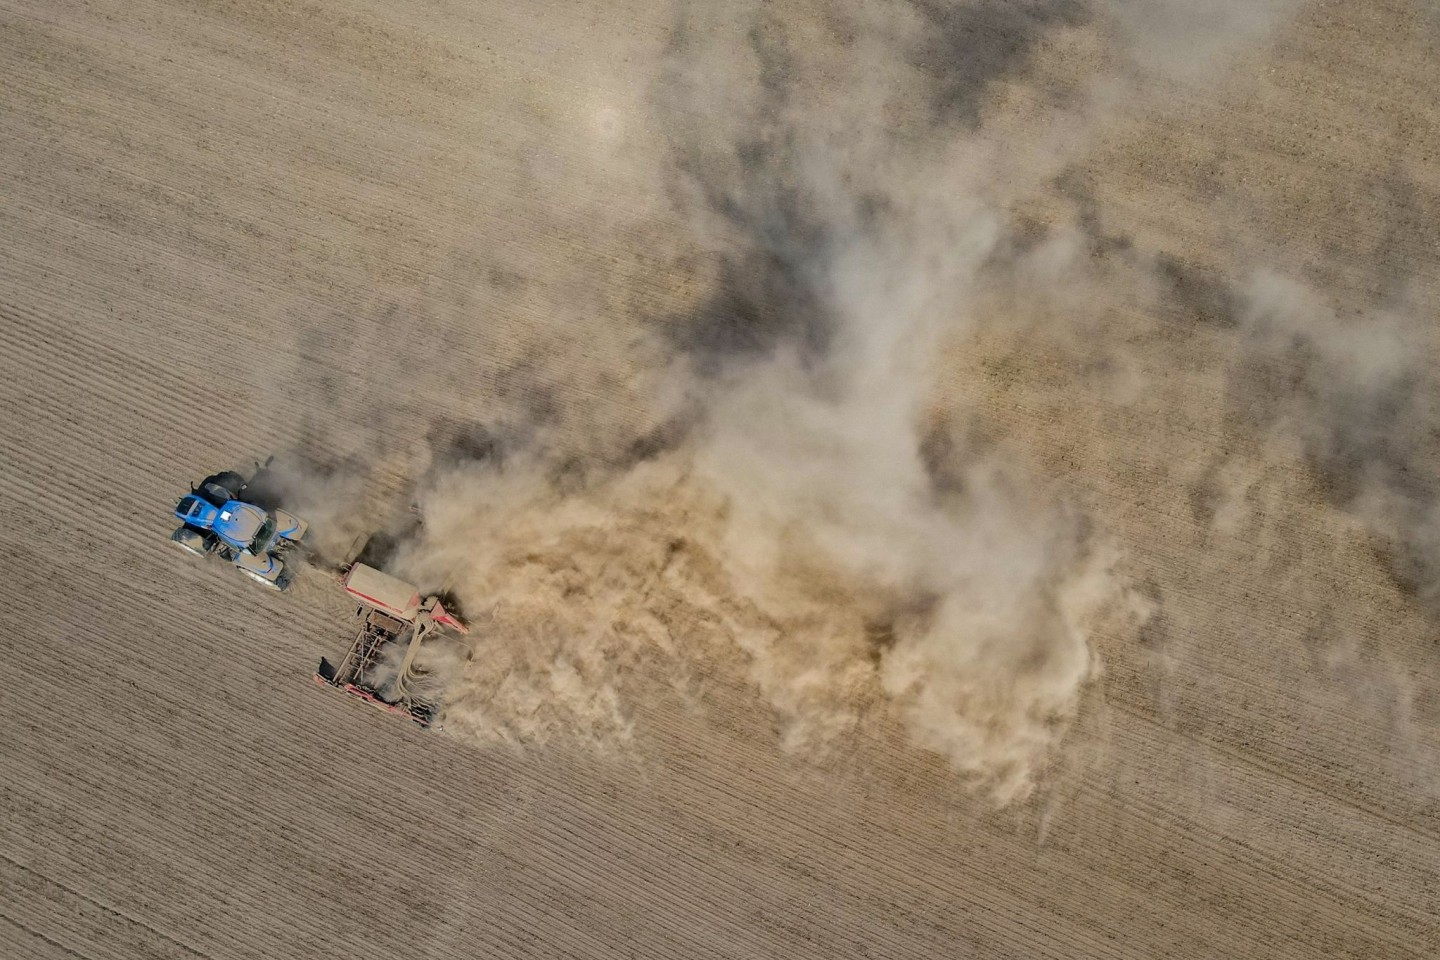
column 349, row 231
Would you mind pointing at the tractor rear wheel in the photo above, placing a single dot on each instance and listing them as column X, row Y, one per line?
column 221, row 488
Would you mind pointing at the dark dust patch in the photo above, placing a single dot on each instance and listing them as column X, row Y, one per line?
column 378, row 549
column 880, row 637
column 1369, row 439
column 1206, row 495
column 293, row 474
column 1352, row 433
column 1100, row 242
column 1197, row 293
column 524, row 388
column 1155, row 631
column 667, row 436
column 969, row 46
column 506, row 281
column 940, row 455
column 1413, row 572
column 1371, row 433
column 769, row 291
column 947, row 447
column 1410, row 238
column 1024, row 236
column 763, row 301
column 783, row 234
column 453, row 443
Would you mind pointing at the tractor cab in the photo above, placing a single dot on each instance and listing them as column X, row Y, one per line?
column 196, row 512
column 243, row 526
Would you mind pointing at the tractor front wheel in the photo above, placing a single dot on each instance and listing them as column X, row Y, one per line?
column 191, row 541
column 260, row 580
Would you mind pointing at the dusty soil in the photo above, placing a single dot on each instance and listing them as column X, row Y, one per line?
column 230, row 229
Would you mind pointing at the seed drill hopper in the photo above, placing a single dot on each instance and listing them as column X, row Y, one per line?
column 380, row 665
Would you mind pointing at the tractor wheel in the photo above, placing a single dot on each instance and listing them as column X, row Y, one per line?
column 222, row 487
column 191, row 541
column 260, row 580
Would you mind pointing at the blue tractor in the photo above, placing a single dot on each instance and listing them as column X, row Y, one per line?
column 217, row 518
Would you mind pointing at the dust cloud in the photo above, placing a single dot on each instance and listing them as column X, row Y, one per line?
column 1355, row 397
column 811, row 510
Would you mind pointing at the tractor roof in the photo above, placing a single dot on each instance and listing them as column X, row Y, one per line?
column 238, row 522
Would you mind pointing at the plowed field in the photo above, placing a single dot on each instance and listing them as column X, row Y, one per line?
column 347, row 232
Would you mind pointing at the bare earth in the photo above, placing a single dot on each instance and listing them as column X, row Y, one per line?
column 231, row 228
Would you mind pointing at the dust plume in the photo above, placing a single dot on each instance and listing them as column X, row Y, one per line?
column 332, row 497
column 1182, row 40
column 800, row 502
column 1354, row 396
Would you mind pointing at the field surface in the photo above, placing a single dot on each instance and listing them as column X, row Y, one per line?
column 342, row 230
